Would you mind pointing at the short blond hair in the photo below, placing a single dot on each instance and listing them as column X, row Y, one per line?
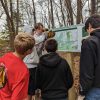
column 23, row 42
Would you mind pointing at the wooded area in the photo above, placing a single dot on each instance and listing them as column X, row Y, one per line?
column 52, row 13
column 15, row 14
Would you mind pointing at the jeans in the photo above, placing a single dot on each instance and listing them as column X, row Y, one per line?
column 59, row 99
column 93, row 94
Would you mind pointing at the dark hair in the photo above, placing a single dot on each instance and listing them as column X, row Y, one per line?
column 46, row 29
column 33, row 30
column 94, row 20
column 38, row 25
column 51, row 45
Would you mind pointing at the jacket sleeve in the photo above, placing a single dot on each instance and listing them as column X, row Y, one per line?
column 87, row 62
column 69, row 76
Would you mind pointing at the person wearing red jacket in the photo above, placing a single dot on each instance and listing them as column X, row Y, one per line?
column 16, row 87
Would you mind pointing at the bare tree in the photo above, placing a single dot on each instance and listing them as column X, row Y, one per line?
column 93, row 7
column 9, row 21
column 17, row 17
column 63, row 17
column 34, row 13
column 69, row 11
column 48, row 14
column 79, row 11
column 8, row 8
column 51, row 15
column 1, row 11
column 58, row 18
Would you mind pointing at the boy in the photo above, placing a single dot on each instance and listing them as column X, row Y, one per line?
column 16, row 87
column 53, row 75
column 90, row 60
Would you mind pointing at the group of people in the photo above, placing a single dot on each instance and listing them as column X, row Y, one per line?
column 29, row 69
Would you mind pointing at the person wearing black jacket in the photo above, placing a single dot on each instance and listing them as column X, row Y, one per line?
column 90, row 60
column 54, row 76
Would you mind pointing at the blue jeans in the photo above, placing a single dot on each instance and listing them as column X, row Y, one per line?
column 93, row 94
column 59, row 99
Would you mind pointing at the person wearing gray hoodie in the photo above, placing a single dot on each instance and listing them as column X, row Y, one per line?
column 32, row 59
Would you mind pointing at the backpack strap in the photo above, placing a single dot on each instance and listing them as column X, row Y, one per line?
column 3, row 78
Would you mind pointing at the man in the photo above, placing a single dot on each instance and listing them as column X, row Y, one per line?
column 90, row 60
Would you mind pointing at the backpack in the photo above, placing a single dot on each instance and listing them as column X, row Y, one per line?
column 2, row 75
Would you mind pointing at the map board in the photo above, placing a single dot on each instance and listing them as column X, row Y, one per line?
column 69, row 39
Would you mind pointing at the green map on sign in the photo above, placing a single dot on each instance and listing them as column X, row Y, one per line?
column 67, row 40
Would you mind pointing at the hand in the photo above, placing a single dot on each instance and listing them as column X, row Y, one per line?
column 80, row 97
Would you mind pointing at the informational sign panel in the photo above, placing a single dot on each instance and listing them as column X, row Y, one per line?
column 69, row 39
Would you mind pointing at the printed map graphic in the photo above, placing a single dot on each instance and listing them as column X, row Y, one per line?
column 67, row 40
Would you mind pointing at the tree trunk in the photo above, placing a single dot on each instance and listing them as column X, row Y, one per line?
column 93, row 7
column 17, row 17
column 79, row 11
column 10, row 23
column 11, row 16
column 63, row 17
column 52, row 17
column 69, row 11
column 58, row 17
column 34, row 13
column 48, row 14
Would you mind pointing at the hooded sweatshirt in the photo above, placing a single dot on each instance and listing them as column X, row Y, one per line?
column 32, row 59
column 54, row 76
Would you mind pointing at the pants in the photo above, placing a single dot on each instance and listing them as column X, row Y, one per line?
column 58, row 99
column 93, row 94
column 31, row 86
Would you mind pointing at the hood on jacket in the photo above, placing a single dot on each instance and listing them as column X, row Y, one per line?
column 96, row 33
column 50, row 60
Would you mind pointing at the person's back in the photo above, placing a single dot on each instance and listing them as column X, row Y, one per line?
column 89, row 61
column 16, row 87
column 54, row 76
column 16, row 72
